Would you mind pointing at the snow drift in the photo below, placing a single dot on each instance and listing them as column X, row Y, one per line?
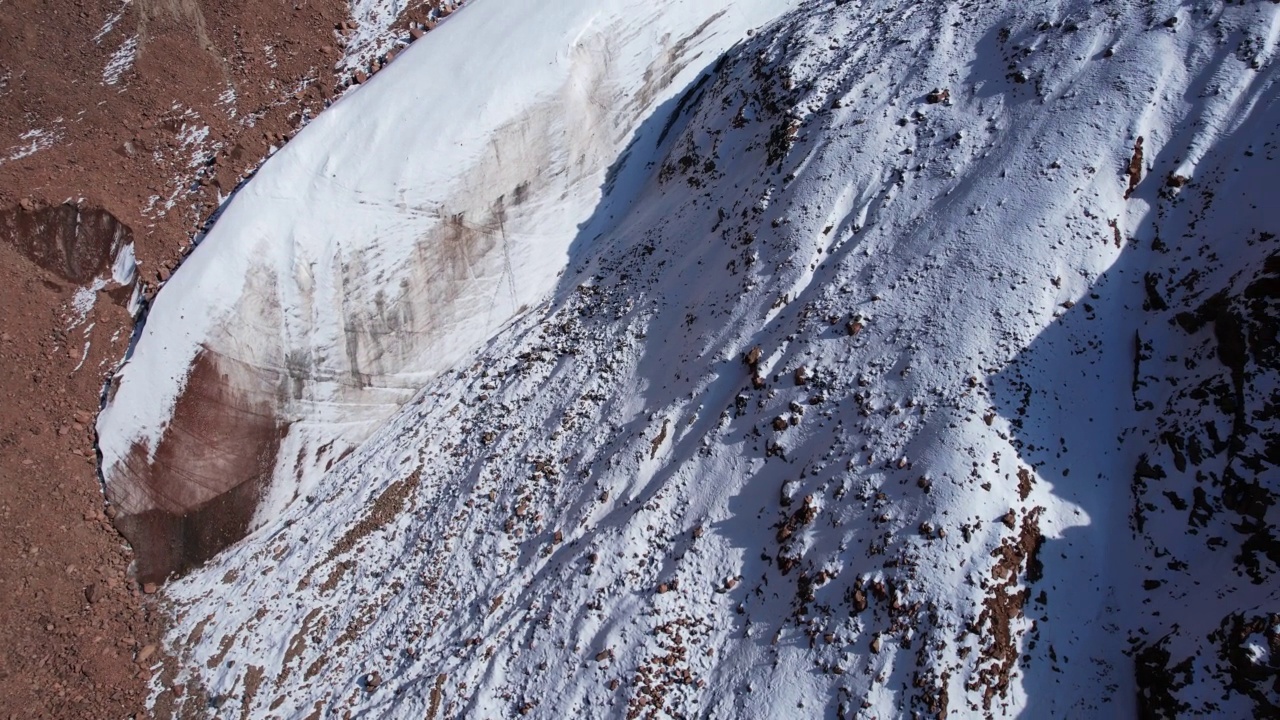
column 928, row 369
column 401, row 228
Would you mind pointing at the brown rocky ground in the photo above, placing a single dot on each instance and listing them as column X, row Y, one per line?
column 212, row 85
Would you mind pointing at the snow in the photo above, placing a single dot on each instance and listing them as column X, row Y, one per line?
column 120, row 62
column 83, row 300
column 373, row 35
column 110, row 23
column 125, row 267
column 382, row 245
column 227, row 100
column 32, row 142
column 88, row 341
column 1259, row 649
column 925, row 502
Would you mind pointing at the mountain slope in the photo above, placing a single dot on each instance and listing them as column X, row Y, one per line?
column 868, row 402
column 401, row 228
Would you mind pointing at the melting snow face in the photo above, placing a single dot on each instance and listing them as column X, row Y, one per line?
column 370, row 256
column 120, row 62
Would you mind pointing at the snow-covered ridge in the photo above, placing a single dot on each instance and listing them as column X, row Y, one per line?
column 401, row 228
column 861, row 407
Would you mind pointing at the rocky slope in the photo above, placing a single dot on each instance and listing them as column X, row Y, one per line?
column 925, row 366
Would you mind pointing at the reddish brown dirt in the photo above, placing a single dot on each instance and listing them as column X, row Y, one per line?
column 75, row 620
column 79, row 635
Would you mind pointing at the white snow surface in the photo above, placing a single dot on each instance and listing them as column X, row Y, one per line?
column 591, row 509
column 415, row 217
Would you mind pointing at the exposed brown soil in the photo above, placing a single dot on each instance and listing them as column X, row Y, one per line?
column 80, row 635
column 92, row 160
column 74, row 622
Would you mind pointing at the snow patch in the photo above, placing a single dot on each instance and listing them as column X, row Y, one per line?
column 227, row 100
column 120, row 62
column 1259, row 649
column 111, row 21
column 124, row 269
column 32, row 142
column 83, row 301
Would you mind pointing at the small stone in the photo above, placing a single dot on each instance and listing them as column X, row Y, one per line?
column 780, row 423
column 149, row 588
column 1009, row 519
column 939, row 95
column 372, row 681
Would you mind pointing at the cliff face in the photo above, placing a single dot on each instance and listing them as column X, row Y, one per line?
column 916, row 359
